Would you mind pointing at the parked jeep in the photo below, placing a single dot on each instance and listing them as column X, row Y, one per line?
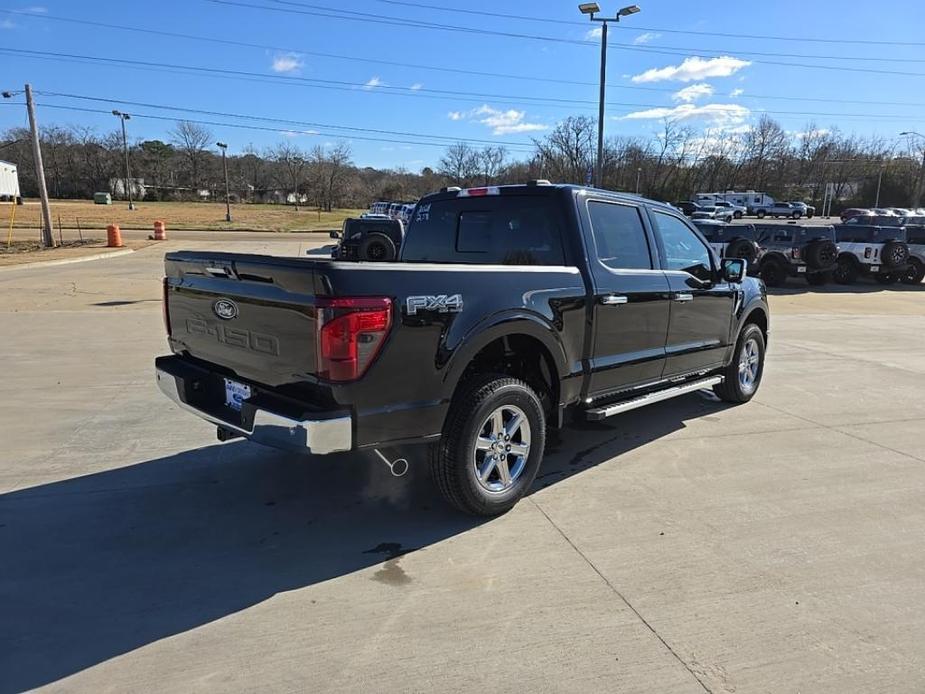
column 778, row 209
column 795, row 250
column 879, row 251
column 731, row 241
column 915, row 238
column 373, row 238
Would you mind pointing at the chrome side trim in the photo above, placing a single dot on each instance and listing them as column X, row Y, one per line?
column 598, row 413
column 319, row 437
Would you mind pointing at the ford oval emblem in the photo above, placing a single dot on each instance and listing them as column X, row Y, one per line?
column 225, row 309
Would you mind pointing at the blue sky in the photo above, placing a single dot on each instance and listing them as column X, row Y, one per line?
column 315, row 99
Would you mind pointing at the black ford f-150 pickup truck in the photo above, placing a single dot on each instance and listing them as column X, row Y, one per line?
column 507, row 308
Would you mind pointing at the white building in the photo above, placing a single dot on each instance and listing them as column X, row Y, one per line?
column 9, row 181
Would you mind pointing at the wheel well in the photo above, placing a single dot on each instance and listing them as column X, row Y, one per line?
column 524, row 357
column 759, row 318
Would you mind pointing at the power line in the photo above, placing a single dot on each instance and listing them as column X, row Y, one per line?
column 452, row 70
column 451, row 95
column 636, row 27
column 283, row 121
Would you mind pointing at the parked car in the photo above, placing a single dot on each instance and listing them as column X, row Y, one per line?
column 809, row 211
column 915, row 237
column 376, row 239
column 796, row 250
column 688, row 207
column 884, row 212
column 779, row 209
column 878, row 251
column 853, row 212
column 902, row 211
column 731, row 241
column 738, row 211
column 509, row 308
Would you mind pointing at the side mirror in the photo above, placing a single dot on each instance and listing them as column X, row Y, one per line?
column 335, row 234
column 733, row 269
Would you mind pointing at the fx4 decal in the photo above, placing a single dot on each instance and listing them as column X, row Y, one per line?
column 441, row 304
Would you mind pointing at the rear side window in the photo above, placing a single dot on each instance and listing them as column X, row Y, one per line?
column 619, row 236
column 491, row 230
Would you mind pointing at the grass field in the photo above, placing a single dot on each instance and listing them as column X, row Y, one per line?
column 207, row 216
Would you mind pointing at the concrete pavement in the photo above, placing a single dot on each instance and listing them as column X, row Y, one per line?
column 688, row 547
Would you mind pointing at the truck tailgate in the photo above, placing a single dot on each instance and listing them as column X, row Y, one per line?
column 253, row 315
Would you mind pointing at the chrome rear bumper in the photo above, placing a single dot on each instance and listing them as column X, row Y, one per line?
column 317, row 436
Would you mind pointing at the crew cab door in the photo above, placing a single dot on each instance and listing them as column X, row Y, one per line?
column 701, row 303
column 630, row 311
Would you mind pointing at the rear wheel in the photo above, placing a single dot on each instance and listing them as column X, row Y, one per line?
column 773, row 273
column 886, row 277
column 846, row 271
column 761, row 214
column 743, row 375
column 817, row 279
column 491, row 447
column 914, row 274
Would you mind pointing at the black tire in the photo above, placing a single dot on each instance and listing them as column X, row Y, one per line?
column 742, row 248
column 846, row 270
column 377, row 248
column 453, row 458
column 818, row 279
column 894, row 254
column 914, row 274
column 886, row 278
column 796, row 215
column 773, row 273
column 821, row 254
column 732, row 389
column 737, row 215
column 761, row 214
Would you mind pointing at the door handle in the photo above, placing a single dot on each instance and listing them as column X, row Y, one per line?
column 614, row 300
column 683, row 298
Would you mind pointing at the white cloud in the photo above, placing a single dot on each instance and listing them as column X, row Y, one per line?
column 594, row 34
column 647, row 37
column 417, row 85
column 501, row 122
column 6, row 24
column 736, row 92
column 37, row 9
column 297, row 133
column 726, row 114
column 693, row 69
column 693, row 92
column 287, row 62
column 373, row 82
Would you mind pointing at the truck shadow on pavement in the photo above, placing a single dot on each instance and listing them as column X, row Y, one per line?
column 101, row 565
column 859, row 287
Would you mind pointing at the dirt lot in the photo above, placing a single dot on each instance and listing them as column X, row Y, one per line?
column 177, row 215
column 24, row 252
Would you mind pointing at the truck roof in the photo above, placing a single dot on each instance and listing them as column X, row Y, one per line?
column 537, row 188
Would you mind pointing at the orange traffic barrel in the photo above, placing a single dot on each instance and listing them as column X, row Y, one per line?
column 113, row 236
column 160, row 231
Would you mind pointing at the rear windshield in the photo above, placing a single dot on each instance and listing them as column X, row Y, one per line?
column 492, row 230
column 916, row 234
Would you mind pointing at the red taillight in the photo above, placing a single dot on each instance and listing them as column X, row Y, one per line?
column 165, row 310
column 478, row 192
column 350, row 335
column 795, row 253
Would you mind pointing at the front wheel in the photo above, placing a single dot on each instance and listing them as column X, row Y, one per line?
column 796, row 215
column 846, row 271
column 491, row 447
column 737, row 214
column 743, row 375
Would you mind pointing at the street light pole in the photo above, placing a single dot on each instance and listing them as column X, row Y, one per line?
column 223, row 146
column 920, row 181
column 879, row 182
column 591, row 9
column 128, row 174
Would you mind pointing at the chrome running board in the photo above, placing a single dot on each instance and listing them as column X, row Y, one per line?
column 598, row 413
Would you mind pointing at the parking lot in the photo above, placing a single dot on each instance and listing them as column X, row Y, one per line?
column 687, row 547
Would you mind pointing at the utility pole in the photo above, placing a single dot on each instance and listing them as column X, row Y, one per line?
column 223, row 146
column 48, row 238
column 638, row 175
column 128, row 174
column 879, row 183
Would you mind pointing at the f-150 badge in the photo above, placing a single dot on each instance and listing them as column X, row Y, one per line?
column 442, row 303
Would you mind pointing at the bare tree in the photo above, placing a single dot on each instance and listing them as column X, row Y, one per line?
column 460, row 164
column 291, row 170
column 491, row 162
column 567, row 153
column 193, row 141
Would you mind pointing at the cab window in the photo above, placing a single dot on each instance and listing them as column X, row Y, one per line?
column 619, row 236
column 683, row 249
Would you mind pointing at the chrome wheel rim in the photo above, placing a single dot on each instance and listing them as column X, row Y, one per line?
column 749, row 365
column 502, row 448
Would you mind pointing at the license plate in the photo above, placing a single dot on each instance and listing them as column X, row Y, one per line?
column 235, row 394
column 875, row 268
column 801, row 268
